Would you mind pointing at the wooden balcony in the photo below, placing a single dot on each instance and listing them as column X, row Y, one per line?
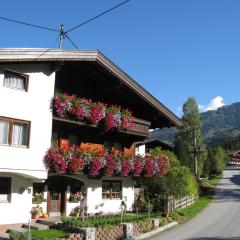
column 140, row 127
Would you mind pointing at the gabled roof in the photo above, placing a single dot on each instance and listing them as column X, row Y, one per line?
column 14, row 55
column 156, row 141
column 234, row 153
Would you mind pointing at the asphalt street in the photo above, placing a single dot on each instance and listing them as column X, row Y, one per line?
column 219, row 220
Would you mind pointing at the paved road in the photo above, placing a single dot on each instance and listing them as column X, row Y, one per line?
column 219, row 220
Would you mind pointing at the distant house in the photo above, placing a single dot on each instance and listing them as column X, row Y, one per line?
column 35, row 125
column 234, row 157
column 147, row 146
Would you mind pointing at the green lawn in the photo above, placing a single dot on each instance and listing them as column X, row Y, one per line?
column 214, row 180
column 48, row 234
column 189, row 212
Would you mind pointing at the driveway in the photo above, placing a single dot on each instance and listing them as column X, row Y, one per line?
column 219, row 220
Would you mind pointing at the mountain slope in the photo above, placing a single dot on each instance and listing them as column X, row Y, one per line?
column 218, row 126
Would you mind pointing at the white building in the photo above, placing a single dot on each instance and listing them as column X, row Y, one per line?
column 28, row 80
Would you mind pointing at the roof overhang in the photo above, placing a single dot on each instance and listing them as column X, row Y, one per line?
column 15, row 55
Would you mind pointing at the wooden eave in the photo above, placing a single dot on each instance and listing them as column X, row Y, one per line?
column 56, row 55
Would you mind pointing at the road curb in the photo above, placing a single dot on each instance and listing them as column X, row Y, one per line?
column 155, row 231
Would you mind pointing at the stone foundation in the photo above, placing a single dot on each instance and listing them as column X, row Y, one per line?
column 5, row 227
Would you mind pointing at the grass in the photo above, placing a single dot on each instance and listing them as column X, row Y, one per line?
column 48, row 234
column 189, row 212
column 214, row 180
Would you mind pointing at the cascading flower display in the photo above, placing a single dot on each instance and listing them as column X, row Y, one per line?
column 55, row 161
column 85, row 110
column 75, row 160
column 98, row 111
column 113, row 117
column 127, row 119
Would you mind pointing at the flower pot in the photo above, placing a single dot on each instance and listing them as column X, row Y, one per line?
column 35, row 216
column 44, row 215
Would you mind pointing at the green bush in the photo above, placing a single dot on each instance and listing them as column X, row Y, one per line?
column 16, row 235
column 174, row 216
column 103, row 221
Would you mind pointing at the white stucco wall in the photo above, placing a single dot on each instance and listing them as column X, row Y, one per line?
column 97, row 204
column 140, row 150
column 18, row 209
column 32, row 106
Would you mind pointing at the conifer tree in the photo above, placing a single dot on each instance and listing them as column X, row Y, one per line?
column 185, row 136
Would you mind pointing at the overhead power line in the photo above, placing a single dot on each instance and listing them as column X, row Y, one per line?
column 29, row 24
column 99, row 15
column 71, row 41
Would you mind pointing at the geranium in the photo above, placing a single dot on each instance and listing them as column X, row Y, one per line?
column 95, row 167
column 36, row 210
column 95, row 162
column 161, row 165
column 149, row 167
column 81, row 109
column 97, row 113
column 127, row 119
column 126, row 166
column 54, row 161
column 138, row 165
column 110, row 164
column 113, row 117
column 59, row 106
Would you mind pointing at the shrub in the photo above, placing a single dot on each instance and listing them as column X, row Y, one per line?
column 16, row 235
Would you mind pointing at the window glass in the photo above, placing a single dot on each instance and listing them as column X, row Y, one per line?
column 19, row 134
column 14, row 132
column 4, row 126
column 112, row 189
column 5, row 189
column 15, row 81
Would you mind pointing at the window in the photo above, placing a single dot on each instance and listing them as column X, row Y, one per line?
column 5, row 189
column 15, row 80
column 14, row 132
column 111, row 189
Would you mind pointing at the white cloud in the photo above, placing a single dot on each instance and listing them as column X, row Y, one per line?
column 215, row 103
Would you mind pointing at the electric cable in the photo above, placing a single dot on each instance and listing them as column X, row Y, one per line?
column 70, row 40
column 29, row 24
column 99, row 15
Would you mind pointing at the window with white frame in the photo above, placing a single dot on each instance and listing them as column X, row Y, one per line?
column 15, row 80
column 5, row 189
column 111, row 189
column 14, row 132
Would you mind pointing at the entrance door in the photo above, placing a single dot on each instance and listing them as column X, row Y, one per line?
column 54, row 203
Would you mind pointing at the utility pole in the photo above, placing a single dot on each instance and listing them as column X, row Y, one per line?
column 62, row 33
column 196, row 149
column 195, row 152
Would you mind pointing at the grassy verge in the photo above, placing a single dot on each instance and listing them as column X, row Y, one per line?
column 48, row 234
column 189, row 212
column 214, row 180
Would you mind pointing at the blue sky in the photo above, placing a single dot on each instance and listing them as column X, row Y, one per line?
column 173, row 48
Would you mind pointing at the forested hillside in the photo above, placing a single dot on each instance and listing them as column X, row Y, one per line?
column 219, row 127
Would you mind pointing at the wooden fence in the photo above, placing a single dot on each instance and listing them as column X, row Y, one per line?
column 175, row 204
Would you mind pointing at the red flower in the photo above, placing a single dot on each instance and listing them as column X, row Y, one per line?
column 149, row 167
column 95, row 167
column 138, row 165
column 110, row 164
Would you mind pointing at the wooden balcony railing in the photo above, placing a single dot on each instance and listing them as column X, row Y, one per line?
column 140, row 127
